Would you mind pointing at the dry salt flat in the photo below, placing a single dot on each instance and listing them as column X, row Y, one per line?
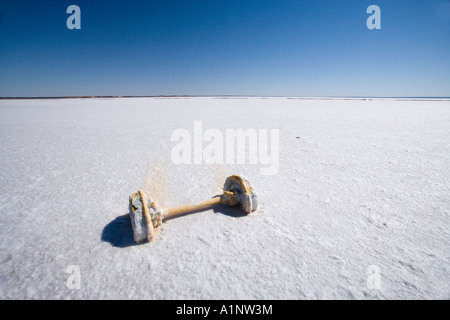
column 357, row 209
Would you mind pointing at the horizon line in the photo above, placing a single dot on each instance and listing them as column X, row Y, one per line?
column 216, row 96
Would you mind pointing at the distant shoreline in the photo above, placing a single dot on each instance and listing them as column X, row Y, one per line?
column 228, row 97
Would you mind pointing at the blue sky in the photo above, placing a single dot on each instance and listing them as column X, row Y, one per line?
column 209, row 47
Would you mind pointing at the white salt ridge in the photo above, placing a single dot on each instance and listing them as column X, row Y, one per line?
column 361, row 183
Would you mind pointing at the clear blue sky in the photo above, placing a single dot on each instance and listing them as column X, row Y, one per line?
column 211, row 47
